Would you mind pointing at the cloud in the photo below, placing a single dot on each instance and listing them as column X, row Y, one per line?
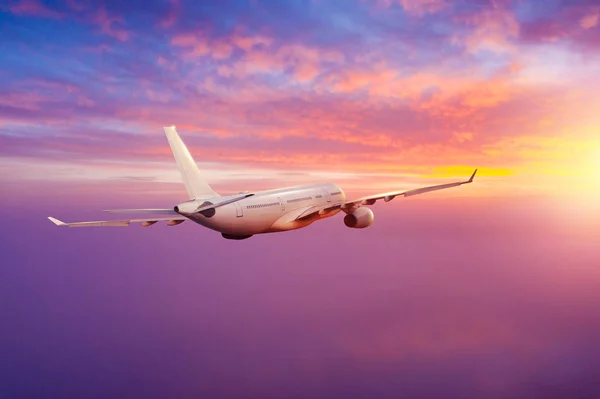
column 493, row 29
column 590, row 20
column 419, row 7
column 575, row 24
column 109, row 24
column 449, row 89
column 256, row 55
column 34, row 8
column 415, row 7
column 171, row 16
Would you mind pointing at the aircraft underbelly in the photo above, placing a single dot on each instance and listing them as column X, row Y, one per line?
column 226, row 221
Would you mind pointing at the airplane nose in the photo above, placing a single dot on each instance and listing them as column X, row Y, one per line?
column 176, row 209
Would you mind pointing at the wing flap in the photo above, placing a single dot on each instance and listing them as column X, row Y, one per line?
column 298, row 214
column 318, row 209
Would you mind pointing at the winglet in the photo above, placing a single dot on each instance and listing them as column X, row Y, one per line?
column 472, row 177
column 56, row 221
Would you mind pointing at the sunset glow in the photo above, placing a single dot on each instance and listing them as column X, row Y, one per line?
column 489, row 86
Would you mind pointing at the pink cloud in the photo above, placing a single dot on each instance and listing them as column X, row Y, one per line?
column 260, row 55
column 24, row 100
column 247, row 43
column 576, row 23
column 378, row 80
column 384, row 81
column 306, row 72
column 184, row 40
column 590, row 20
column 34, row 7
column 420, row 7
column 109, row 24
column 453, row 125
column 356, row 116
column 171, row 17
column 221, row 50
column 415, row 7
column 493, row 29
column 194, row 45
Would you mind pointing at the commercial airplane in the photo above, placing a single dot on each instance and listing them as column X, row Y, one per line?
column 242, row 215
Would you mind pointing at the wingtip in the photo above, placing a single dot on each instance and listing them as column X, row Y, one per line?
column 56, row 221
column 473, row 176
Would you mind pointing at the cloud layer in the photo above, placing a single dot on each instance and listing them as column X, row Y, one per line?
column 380, row 86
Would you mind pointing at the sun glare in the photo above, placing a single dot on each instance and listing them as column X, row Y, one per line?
column 590, row 165
column 595, row 166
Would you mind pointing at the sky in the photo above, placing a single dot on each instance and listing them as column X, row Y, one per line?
column 487, row 290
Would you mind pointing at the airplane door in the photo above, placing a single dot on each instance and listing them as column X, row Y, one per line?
column 327, row 195
column 238, row 210
column 281, row 202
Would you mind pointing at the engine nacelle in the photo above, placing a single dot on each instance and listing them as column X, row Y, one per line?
column 360, row 218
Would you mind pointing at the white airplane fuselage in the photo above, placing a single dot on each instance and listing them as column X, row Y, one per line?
column 270, row 211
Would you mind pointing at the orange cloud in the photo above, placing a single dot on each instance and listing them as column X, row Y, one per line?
column 436, row 92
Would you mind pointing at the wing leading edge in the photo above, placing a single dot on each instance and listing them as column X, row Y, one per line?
column 349, row 206
column 409, row 193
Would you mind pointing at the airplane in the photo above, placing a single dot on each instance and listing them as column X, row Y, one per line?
column 240, row 216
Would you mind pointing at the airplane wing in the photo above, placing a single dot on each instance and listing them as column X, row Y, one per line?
column 171, row 221
column 349, row 206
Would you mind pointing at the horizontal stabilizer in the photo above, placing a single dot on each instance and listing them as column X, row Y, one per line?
column 56, row 221
column 171, row 221
column 196, row 206
column 146, row 211
column 225, row 200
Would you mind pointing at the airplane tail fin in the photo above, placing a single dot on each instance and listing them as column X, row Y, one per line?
column 195, row 185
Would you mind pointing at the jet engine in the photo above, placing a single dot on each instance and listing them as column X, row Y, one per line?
column 360, row 218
